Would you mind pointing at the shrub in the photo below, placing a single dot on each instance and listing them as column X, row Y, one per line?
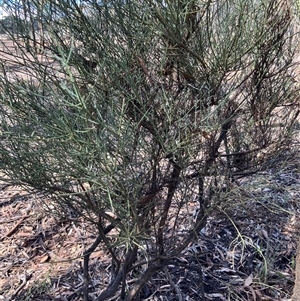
column 136, row 109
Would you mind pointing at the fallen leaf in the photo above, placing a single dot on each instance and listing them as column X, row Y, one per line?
column 216, row 295
column 248, row 281
column 44, row 258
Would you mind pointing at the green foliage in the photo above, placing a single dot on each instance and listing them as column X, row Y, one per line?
column 137, row 108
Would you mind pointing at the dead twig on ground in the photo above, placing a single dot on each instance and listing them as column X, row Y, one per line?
column 14, row 229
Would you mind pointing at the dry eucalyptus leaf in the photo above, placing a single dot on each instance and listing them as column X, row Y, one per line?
column 248, row 280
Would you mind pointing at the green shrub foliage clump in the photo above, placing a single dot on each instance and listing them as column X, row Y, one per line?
column 127, row 112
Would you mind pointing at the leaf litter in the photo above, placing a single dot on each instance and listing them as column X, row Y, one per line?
column 246, row 251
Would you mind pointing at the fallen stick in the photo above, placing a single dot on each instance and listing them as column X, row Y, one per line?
column 14, row 229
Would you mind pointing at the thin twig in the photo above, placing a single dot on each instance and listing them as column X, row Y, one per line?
column 173, row 284
column 86, row 257
column 14, row 229
column 128, row 262
column 12, row 219
column 144, row 278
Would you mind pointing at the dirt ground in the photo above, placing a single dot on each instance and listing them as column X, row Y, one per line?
column 246, row 252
